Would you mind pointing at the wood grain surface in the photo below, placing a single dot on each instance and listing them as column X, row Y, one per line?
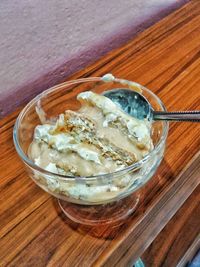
column 178, row 242
column 34, row 232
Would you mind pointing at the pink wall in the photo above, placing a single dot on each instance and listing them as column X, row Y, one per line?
column 43, row 41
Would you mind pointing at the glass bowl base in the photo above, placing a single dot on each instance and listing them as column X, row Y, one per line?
column 93, row 215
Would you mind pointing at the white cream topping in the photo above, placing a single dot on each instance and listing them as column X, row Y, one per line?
column 140, row 132
column 61, row 141
column 51, row 167
column 102, row 102
column 109, row 118
column 108, row 78
column 88, row 154
column 64, row 143
column 37, row 161
column 42, row 132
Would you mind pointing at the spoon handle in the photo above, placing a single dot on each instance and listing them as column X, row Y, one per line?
column 192, row 116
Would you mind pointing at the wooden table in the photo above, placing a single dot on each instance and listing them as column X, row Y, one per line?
column 178, row 242
column 34, row 232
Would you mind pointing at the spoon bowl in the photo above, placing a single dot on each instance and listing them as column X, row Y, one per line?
column 131, row 102
column 136, row 105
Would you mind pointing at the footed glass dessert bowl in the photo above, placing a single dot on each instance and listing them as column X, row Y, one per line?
column 94, row 178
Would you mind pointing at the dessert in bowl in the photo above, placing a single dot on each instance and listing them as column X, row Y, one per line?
column 82, row 148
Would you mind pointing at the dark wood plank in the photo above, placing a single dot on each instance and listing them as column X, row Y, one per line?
column 33, row 230
column 179, row 240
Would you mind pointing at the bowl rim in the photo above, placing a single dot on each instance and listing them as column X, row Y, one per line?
column 31, row 164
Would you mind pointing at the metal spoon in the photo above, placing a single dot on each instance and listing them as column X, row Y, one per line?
column 138, row 106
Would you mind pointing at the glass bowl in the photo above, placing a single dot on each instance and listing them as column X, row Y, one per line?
column 100, row 199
